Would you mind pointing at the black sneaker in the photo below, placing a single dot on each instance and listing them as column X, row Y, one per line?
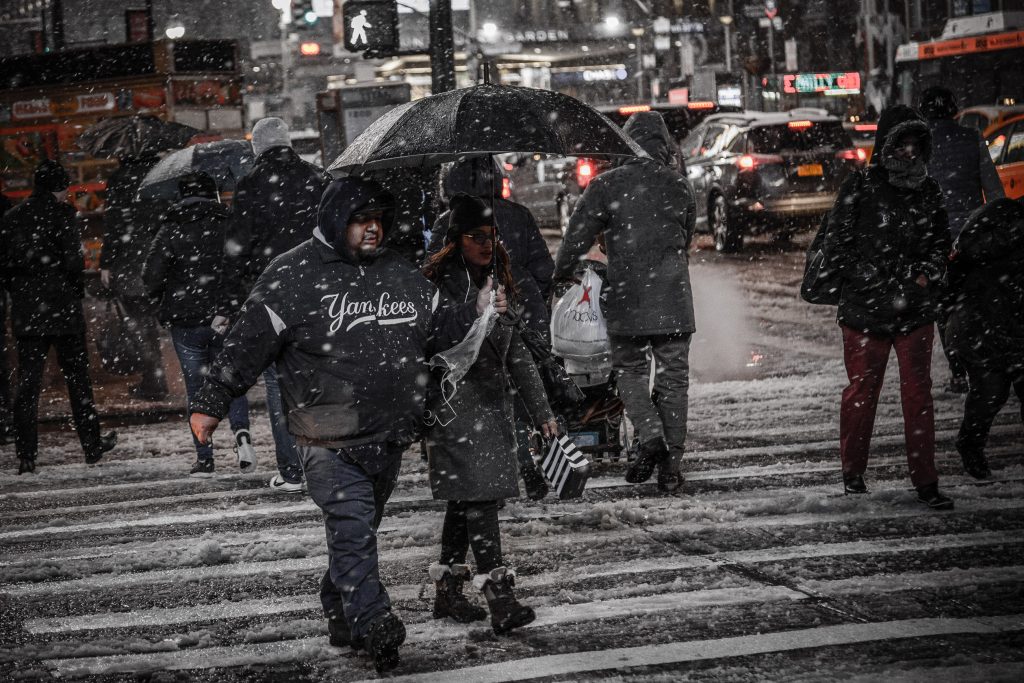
column 382, row 639
column 930, row 496
column 26, row 466
column 854, row 483
column 202, row 468
column 648, row 456
column 669, row 480
column 975, row 464
column 107, row 442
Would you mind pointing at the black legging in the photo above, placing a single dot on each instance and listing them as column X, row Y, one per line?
column 472, row 523
column 988, row 394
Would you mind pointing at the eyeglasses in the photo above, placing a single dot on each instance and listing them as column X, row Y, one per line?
column 479, row 238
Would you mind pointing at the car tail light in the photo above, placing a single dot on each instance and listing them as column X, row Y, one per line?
column 856, row 154
column 506, row 188
column 749, row 162
column 799, row 125
column 866, row 127
column 634, row 108
column 700, row 105
column 584, row 172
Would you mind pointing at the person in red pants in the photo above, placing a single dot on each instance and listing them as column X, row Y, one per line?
column 888, row 238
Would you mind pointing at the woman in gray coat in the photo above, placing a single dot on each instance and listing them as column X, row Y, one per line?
column 471, row 446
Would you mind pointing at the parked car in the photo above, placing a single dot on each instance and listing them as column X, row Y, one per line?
column 755, row 171
column 987, row 118
column 1006, row 145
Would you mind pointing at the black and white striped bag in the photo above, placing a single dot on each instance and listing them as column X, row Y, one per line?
column 566, row 468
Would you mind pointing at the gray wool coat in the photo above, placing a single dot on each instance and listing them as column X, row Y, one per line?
column 473, row 457
column 646, row 211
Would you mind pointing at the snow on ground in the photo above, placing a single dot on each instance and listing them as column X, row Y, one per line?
column 760, row 569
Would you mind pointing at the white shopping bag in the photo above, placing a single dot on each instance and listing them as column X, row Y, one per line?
column 578, row 329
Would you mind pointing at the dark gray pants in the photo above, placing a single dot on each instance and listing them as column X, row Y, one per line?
column 661, row 412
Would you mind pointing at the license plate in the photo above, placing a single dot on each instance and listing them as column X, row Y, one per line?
column 809, row 170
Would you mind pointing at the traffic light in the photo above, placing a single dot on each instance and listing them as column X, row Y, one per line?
column 303, row 14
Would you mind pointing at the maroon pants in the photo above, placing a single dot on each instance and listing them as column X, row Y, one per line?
column 866, row 357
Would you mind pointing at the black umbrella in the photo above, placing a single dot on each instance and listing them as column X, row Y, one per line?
column 133, row 136
column 483, row 120
column 224, row 160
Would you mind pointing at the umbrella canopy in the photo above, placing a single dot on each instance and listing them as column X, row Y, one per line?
column 481, row 120
column 134, row 136
column 225, row 160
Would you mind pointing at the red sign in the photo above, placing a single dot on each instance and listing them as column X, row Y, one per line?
column 136, row 25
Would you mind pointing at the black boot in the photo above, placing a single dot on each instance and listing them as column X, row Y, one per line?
column 648, row 456
column 26, row 466
column 107, row 442
column 854, row 483
column 506, row 612
column 536, row 485
column 975, row 463
column 670, row 478
column 340, row 633
column 449, row 601
column 382, row 639
column 930, row 496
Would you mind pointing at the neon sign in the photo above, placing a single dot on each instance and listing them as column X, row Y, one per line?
column 834, row 83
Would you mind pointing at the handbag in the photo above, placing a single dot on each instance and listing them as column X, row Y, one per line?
column 119, row 347
column 822, row 284
column 566, row 468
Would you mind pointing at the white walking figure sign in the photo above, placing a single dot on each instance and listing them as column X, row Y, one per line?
column 359, row 26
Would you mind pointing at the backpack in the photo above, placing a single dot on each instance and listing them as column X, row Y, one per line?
column 821, row 284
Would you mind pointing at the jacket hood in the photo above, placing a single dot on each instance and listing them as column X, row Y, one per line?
column 341, row 200
column 890, row 118
column 914, row 127
column 648, row 129
column 196, row 209
column 480, row 177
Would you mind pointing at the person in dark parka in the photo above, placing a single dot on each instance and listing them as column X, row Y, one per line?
column 274, row 210
column 962, row 167
column 471, row 446
column 184, row 269
column 349, row 326
column 646, row 210
column 889, row 240
column 41, row 261
column 129, row 227
column 986, row 324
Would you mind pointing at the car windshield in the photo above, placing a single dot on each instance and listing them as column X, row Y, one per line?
column 773, row 139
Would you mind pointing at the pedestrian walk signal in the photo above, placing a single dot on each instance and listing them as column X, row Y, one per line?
column 371, row 26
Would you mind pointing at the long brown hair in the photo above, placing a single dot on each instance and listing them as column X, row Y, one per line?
column 435, row 266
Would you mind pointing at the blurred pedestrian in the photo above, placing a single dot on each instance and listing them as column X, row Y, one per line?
column 273, row 211
column 184, row 269
column 645, row 209
column 962, row 167
column 531, row 266
column 986, row 325
column 129, row 228
column 6, row 419
column 41, row 260
column 889, row 240
column 349, row 325
column 471, row 445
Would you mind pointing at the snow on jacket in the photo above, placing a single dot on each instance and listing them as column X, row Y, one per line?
column 274, row 209
column 646, row 211
column 349, row 336
column 962, row 167
column 129, row 227
column 185, row 265
column 518, row 232
column 41, row 266
column 986, row 279
column 881, row 238
column 473, row 456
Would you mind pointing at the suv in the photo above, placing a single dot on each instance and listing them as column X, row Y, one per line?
column 757, row 171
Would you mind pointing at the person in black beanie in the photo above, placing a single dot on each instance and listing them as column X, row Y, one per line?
column 41, row 259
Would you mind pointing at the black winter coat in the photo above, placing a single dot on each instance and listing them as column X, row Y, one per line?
column 962, row 167
column 350, row 338
column 986, row 282
column 185, row 265
column 129, row 227
column 41, row 266
column 880, row 238
column 274, row 210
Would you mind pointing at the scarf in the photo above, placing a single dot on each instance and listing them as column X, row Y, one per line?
column 905, row 173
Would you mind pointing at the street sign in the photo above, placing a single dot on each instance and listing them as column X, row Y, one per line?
column 371, row 26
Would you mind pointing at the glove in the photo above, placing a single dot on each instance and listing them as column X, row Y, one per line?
column 220, row 324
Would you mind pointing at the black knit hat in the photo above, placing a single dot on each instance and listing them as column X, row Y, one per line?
column 938, row 102
column 50, row 176
column 197, row 184
column 467, row 213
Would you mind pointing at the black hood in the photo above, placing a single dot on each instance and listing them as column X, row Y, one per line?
column 890, row 118
column 648, row 129
column 194, row 209
column 341, row 200
column 913, row 127
column 480, row 177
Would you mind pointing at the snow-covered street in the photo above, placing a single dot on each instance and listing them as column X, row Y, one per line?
column 758, row 569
